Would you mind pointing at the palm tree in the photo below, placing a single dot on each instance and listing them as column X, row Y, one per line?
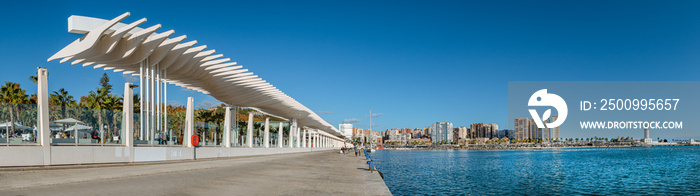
column 63, row 99
column 137, row 103
column 35, row 79
column 11, row 93
column 97, row 99
column 113, row 103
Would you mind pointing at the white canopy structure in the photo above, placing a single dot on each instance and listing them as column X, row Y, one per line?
column 7, row 125
column 78, row 127
column 127, row 48
column 68, row 121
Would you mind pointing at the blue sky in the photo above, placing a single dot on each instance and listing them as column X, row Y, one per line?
column 415, row 62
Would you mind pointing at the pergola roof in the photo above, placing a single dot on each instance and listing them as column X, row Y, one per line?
column 111, row 45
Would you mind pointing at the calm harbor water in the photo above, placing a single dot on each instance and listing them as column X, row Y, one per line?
column 574, row 171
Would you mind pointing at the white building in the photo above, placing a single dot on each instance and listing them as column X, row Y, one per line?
column 555, row 130
column 441, row 131
column 462, row 133
column 647, row 139
column 345, row 129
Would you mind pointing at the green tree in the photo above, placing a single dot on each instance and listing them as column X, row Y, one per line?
column 113, row 103
column 104, row 84
column 63, row 99
column 13, row 94
column 35, row 78
column 137, row 103
column 97, row 99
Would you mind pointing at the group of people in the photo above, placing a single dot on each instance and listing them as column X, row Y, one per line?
column 11, row 135
column 358, row 151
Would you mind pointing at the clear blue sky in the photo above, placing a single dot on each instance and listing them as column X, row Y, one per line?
column 416, row 62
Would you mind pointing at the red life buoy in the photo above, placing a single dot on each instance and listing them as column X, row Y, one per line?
column 195, row 140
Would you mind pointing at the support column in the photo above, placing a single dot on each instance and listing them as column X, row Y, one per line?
column 127, row 137
column 146, row 101
column 227, row 127
column 298, row 136
column 249, row 134
column 303, row 140
column 234, row 135
column 152, row 117
column 189, row 122
column 267, row 132
column 291, row 135
column 280, row 134
column 43, row 115
column 311, row 139
column 165, row 107
column 128, row 114
column 158, row 106
column 141, row 86
column 316, row 139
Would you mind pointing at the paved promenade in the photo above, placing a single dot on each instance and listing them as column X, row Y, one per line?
column 313, row 173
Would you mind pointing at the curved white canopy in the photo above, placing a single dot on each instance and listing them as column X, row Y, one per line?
column 111, row 45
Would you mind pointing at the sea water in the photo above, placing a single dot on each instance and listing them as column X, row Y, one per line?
column 569, row 171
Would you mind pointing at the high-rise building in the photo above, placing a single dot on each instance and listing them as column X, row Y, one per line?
column 418, row 133
column 365, row 135
column 544, row 133
column 526, row 128
column 462, row 133
column 345, row 129
column 522, row 127
column 392, row 134
column 492, row 130
column 483, row 131
column 555, row 131
column 647, row 139
column 441, row 131
column 510, row 134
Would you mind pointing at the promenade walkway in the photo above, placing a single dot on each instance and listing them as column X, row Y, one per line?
column 312, row 173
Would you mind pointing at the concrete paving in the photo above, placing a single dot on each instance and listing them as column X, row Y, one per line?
column 313, row 173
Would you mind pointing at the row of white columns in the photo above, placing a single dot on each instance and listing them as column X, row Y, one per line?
column 153, row 96
column 296, row 138
column 308, row 138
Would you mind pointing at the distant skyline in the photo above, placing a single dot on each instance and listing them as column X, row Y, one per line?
column 413, row 62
